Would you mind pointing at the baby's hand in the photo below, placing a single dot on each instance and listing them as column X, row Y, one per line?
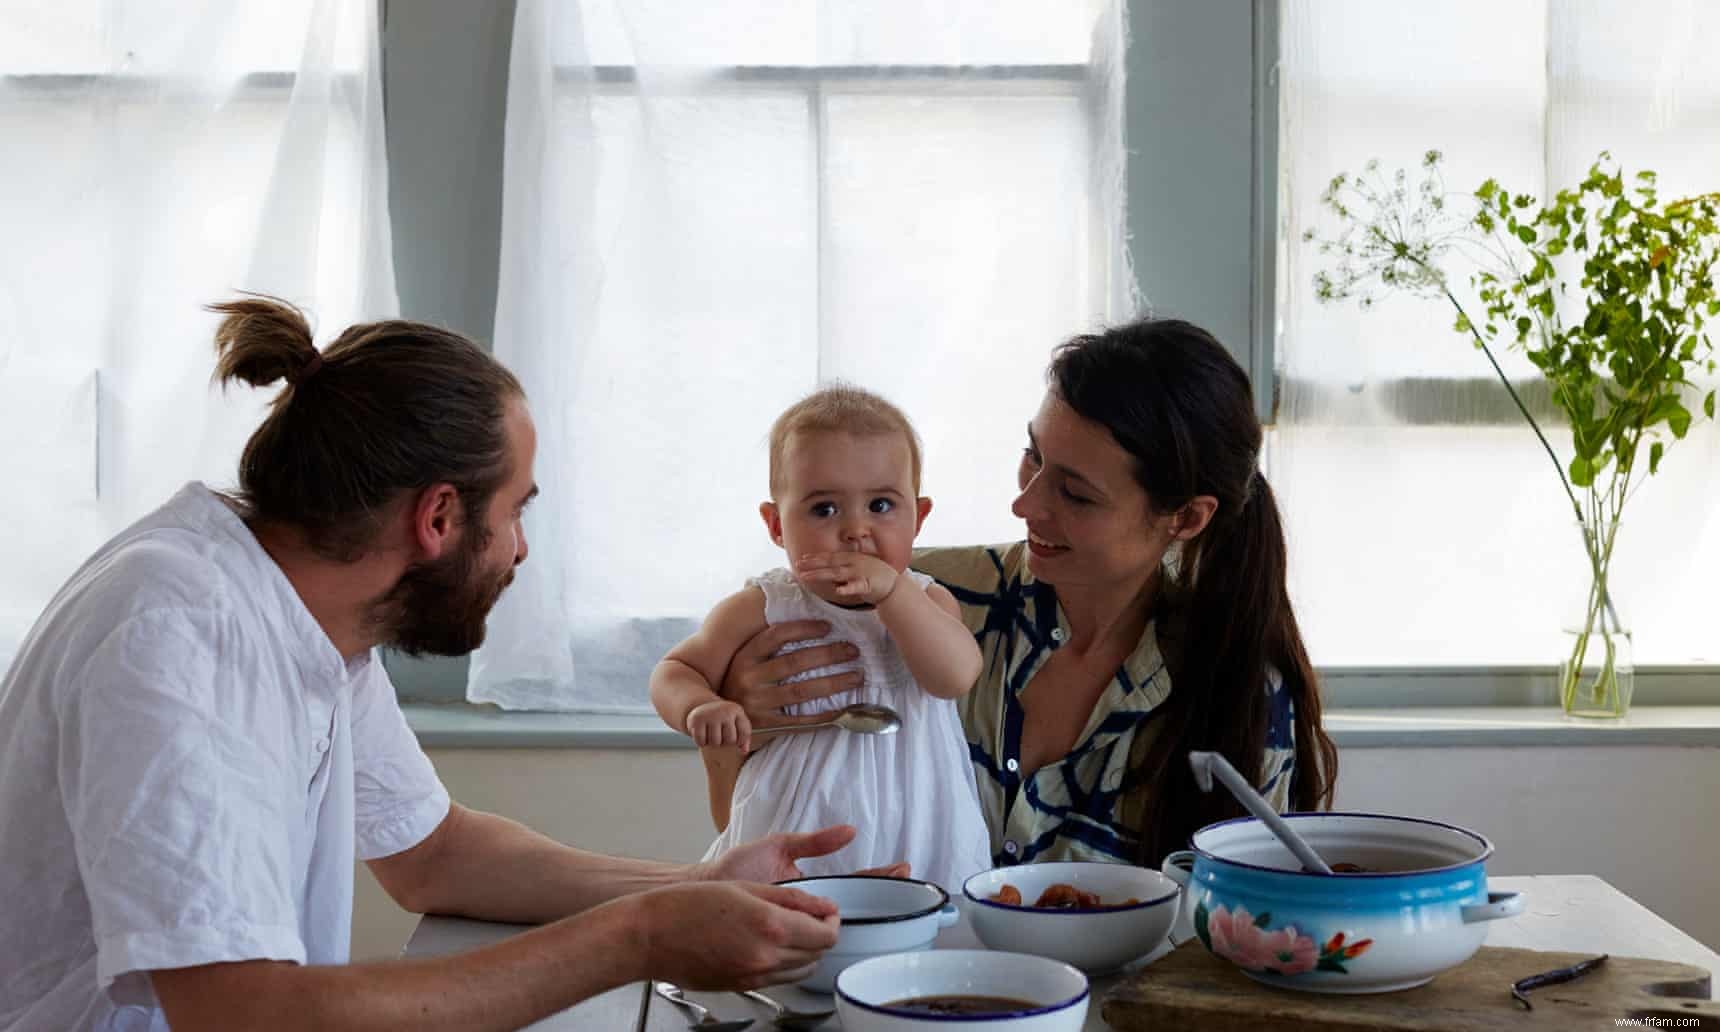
column 854, row 576
column 720, row 722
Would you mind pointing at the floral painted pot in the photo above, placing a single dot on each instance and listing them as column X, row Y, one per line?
column 1420, row 906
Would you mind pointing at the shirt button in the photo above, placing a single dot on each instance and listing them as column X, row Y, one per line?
column 1057, row 634
column 1011, row 848
column 1012, row 766
column 320, row 745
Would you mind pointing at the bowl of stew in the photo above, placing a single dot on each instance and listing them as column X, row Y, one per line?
column 1095, row 916
column 1407, row 899
column 961, row 989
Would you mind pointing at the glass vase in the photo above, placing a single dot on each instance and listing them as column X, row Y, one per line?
column 1597, row 675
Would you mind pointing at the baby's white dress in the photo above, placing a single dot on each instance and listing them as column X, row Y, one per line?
column 911, row 794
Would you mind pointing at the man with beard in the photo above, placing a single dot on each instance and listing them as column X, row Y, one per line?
column 197, row 740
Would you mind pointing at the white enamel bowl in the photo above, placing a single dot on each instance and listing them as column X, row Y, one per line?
column 879, row 916
column 1092, row 940
column 1058, row 993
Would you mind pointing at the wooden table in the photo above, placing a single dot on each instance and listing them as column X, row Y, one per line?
column 1577, row 913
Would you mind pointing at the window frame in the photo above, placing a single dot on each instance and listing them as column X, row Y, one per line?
column 1412, row 685
column 1234, row 46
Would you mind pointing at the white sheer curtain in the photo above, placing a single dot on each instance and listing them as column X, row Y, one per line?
column 1427, row 524
column 158, row 156
column 709, row 209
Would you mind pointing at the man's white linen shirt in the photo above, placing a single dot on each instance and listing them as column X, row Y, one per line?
column 188, row 770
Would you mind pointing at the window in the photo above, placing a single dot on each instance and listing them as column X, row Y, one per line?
column 1427, row 527
column 157, row 160
column 706, row 214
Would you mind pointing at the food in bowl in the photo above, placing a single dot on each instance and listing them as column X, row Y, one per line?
column 878, row 916
column 1060, row 896
column 868, row 994
column 1092, row 939
column 960, row 1004
column 1419, row 905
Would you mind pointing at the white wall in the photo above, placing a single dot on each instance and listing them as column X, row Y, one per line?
column 1640, row 817
column 635, row 802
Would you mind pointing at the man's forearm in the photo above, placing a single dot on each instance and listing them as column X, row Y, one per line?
column 488, row 867
column 504, row 986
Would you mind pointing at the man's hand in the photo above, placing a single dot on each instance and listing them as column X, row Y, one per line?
column 720, row 722
column 851, row 576
column 732, row 935
column 772, row 858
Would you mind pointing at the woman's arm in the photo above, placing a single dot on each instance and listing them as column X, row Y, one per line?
column 754, row 678
column 927, row 627
column 722, row 770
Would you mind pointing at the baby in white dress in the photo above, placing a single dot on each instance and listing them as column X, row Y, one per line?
column 845, row 507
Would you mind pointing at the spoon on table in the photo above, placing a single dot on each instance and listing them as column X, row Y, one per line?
column 1207, row 764
column 672, row 992
column 793, row 1020
column 861, row 718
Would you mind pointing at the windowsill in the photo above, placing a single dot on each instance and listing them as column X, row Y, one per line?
column 1499, row 726
column 461, row 726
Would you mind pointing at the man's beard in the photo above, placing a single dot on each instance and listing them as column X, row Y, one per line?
column 439, row 608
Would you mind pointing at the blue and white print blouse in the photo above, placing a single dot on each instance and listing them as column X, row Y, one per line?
column 1071, row 809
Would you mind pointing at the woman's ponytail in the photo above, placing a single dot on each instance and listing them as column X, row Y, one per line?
column 1239, row 611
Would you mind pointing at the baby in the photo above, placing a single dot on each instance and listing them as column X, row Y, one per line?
column 845, row 507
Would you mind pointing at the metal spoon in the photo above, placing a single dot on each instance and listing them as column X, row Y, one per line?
column 672, row 992
column 793, row 1020
column 861, row 718
column 1206, row 764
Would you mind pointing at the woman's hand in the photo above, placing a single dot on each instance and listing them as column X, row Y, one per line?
column 756, row 673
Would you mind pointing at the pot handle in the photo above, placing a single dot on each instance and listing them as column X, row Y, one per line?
column 1498, row 905
column 949, row 915
column 1178, row 866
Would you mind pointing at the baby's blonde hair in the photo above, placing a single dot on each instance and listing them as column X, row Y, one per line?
column 840, row 408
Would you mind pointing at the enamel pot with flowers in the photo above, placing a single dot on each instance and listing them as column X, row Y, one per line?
column 1408, row 899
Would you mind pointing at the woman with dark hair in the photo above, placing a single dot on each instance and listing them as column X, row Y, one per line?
column 1144, row 615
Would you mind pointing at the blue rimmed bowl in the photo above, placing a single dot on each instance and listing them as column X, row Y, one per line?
column 879, row 916
column 1050, row 996
column 1420, row 907
column 1092, row 940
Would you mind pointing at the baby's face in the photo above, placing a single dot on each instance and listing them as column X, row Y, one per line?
column 848, row 493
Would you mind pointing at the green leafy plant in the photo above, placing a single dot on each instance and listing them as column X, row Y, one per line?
column 1620, row 351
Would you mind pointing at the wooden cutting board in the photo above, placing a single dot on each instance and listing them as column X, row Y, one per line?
column 1190, row 988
